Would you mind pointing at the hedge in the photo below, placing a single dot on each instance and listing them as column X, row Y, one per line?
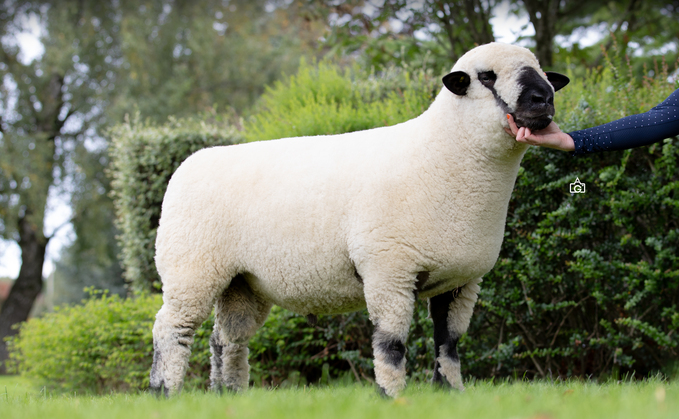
column 143, row 158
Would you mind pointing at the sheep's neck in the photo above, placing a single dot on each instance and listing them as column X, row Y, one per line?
column 470, row 142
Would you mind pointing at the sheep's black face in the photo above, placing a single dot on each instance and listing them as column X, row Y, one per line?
column 535, row 106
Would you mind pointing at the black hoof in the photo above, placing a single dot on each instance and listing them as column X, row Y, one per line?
column 382, row 393
column 439, row 382
column 160, row 391
column 230, row 390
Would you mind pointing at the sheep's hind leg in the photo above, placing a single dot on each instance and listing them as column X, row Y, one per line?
column 238, row 315
column 451, row 312
column 182, row 312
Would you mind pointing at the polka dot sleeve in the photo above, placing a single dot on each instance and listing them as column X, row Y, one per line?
column 632, row 131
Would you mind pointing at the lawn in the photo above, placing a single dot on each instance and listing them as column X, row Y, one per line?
column 535, row 400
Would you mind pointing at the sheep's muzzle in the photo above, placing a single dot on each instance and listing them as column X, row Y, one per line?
column 535, row 106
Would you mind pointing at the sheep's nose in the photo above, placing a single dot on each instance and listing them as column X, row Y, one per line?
column 538, row 98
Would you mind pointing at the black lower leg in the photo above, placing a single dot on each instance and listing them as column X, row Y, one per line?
column 439, row 307
column 392, row 351
column 216, row 361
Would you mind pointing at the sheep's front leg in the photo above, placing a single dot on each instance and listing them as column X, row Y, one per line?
column 451, row 312
column 390, row 305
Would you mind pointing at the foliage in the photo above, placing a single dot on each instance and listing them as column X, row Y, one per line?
column 143, row 158
column 92, row 259
column 325, row 99
column 46, row 107
column 434, row 33
column 182, row 58
column 103, row 345
column 644, row 30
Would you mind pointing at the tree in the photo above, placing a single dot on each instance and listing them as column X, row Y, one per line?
column 429, row 31
column 91, row 261
column 47, row 107
column 104, row 60
column 179, row 59
column 546, row 17
column 649, row 26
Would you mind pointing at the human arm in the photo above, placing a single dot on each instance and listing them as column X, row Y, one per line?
column 632, row 131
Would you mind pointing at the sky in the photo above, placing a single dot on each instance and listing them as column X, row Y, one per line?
column 507, row 27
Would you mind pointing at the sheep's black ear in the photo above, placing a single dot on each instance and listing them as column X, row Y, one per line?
column 457, row 82
column 558, row 80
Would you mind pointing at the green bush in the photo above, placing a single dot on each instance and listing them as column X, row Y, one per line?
column 103, row 345
column 143, row 158
column 326, row 99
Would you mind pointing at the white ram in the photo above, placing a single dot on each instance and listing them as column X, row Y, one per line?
column 332, row 224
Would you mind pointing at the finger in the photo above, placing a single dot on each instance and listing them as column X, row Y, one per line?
column 512, row 124
column 521, row 133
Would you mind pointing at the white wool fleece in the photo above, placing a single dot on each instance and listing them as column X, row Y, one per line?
column 316, row 224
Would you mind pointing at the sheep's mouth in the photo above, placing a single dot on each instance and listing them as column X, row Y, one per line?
column 534, row 124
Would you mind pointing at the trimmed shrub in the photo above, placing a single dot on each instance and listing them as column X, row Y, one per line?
column 103, row 345
column 143, row 158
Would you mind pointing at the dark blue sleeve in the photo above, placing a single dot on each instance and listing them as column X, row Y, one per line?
column 632, row 131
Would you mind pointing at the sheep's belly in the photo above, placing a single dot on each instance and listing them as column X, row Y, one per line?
column 311, row 292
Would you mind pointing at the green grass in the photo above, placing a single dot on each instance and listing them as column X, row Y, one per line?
column 536, row 400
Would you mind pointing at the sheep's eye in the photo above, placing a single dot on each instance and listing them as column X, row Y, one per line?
column 487, row 78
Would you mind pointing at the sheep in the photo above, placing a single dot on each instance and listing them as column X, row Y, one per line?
column 337, row 223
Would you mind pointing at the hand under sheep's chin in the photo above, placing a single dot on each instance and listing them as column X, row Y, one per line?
column 533, row 124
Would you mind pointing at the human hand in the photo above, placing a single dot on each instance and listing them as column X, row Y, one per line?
column 551, row 137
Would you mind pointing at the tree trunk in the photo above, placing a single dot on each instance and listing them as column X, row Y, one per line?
column 26, row 287
column 544, row 17
column 479, row 21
